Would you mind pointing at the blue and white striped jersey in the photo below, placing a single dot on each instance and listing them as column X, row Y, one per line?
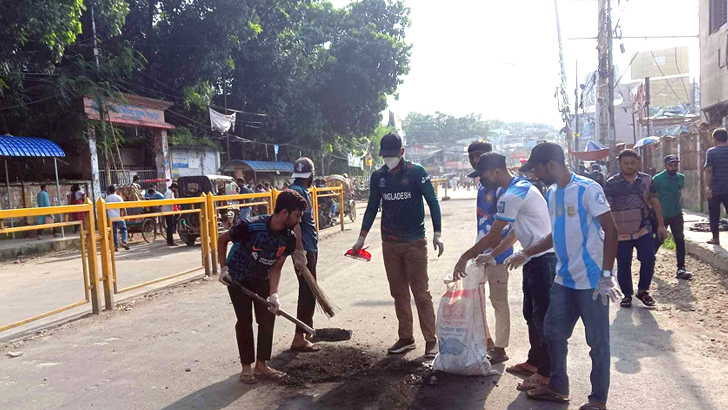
column 523, row 206
column 577, row 234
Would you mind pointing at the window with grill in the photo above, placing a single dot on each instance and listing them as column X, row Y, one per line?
column 718, row 14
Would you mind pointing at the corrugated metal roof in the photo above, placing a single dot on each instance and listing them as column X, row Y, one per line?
column 12, row 146
column 262, row 166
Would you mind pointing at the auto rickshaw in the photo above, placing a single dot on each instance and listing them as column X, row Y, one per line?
column 188, row 225
column 349, row 204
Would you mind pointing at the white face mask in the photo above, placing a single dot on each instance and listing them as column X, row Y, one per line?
column 391, row 162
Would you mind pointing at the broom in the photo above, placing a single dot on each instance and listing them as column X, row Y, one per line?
column 326, row 305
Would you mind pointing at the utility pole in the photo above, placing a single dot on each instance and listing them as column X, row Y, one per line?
column 96, row 44
column 603, row 78
column 610, row 106
column 647, row 103
column 227, row 135
column 562, row 85
column 576, row 110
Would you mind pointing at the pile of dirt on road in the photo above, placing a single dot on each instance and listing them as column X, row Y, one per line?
column 365, row 380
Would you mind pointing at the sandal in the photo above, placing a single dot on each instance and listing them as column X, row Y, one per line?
column 248, row 378
column 275, row 375
column 546, row 394
column 531, row 384
column 520, row 368
column 626, row 302
column 592, row 406
column 646, row 299
column 310, row 348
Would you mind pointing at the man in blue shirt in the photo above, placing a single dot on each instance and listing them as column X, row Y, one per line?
column 496, row 273
column 578, row 210
column 306, row 254
column 716, row 180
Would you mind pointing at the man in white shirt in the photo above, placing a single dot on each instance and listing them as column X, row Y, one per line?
column 523, row 206
column 578, row 211
column 170, row 220
column 112, row 197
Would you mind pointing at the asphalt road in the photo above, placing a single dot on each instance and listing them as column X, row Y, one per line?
column 176, row 349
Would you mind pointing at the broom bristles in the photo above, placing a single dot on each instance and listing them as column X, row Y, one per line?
column 326, row 305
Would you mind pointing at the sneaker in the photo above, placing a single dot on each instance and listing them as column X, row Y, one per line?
column 626, row 302
column 683, row 274
column 646, row 298
column 125, row 246
column 496, row 356
column 714, row 241
column 431, row 350
column 402, row 346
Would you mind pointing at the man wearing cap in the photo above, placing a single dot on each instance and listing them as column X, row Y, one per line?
column 306, row 254
column 716, row 181
column 496, row 273
column 524, row 207
column 578, row 211
column 669, row 184
column 400, row 186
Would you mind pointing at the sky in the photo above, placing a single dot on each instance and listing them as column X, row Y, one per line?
column 499, row 58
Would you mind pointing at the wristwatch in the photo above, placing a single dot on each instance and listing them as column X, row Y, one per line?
column 606, row 273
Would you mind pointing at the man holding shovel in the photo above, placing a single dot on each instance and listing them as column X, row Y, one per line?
column 306, row 255
column 400, row 186
column 264, row 243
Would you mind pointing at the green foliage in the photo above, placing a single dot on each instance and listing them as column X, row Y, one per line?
column 669, row 243
column 442, row 128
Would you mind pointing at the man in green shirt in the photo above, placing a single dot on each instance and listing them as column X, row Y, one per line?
column 400, row 186
column 669, row 184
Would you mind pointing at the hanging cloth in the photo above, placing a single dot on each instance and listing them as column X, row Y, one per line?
column 222, row 122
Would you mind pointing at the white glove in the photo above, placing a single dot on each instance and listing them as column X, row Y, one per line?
column 224, row 276
column 516, row 260
column 299, row 259
column 358, row 245
column 276, row 303
column 608, row 289
column 485, row 260
column 459, row 271
column 437, row 243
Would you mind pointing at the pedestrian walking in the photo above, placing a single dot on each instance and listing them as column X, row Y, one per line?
column 43, row 201
column 716, row 180
column 306, row 255
column 668, row 185
column 496, row 274
column 263, row 244
column 400, row 186
column 633, row 199
column 113, row 197
column 76, row 197
column 524, row 207
column 244, row 189
column 170, row 220
column 578, row 211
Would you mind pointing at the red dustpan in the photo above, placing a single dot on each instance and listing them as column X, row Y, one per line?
column 363, row 254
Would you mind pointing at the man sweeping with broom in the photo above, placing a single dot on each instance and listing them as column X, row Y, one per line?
column 264, row 243
column 306, row 255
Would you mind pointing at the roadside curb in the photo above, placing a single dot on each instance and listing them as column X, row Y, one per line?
column 713, row 255
column 40, row 248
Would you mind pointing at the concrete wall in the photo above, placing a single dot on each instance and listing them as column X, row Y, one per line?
column 192, row 161
column 713, row 79
column 23, row 195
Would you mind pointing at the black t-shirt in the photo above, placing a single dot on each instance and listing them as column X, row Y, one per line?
column 257, row 248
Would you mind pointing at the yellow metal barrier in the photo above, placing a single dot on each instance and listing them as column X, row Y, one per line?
column 108, row 257
column 87, row 234
column 264, row 198
column 327, row 192
column 436, row 183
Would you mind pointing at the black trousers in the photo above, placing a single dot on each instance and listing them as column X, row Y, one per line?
column 170, row 222
column 677, row 226
column 538, row 277
column 714, row 212
column 244, row 306
column 306, row 300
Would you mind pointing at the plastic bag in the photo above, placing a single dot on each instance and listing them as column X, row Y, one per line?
column 462, row 327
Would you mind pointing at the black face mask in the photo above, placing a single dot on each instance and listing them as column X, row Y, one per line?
column 671, row 173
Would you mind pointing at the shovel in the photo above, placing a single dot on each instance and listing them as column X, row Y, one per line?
column 265, row 303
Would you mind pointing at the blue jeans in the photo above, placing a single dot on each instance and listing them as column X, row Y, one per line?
column 245, row 213
column 124, row 233
column 645, row 245
column 566, row 307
